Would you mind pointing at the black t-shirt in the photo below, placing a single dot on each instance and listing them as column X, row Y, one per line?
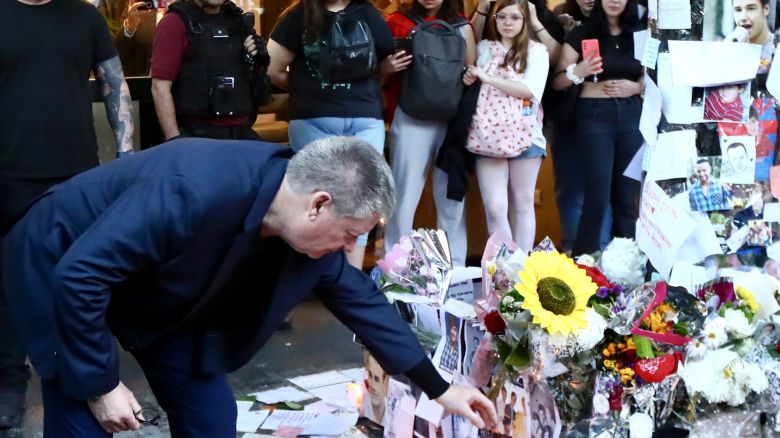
column 46, row 55
column 617, row 53
column 311, row 97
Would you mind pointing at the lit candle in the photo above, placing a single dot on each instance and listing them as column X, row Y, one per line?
column 354, row 396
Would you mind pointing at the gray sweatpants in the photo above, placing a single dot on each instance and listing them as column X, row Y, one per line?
column 413, row 147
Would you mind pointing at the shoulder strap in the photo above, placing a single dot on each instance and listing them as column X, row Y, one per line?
column 189, row 13
column 415, row 18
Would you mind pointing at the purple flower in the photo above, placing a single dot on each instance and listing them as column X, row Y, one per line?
column 602, row 292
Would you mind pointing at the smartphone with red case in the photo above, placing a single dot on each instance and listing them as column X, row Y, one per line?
column 590, row 48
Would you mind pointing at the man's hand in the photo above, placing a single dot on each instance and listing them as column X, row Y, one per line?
column 469, row 403
column 249, row 45
column 115, row 411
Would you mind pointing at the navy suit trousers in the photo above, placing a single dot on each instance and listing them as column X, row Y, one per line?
column 197, row 405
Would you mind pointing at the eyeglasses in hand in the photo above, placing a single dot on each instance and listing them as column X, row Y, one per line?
column 148, row 416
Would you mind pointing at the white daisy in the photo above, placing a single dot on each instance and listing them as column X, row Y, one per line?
column 696, row 349
column 714, row 333
column 593, row 333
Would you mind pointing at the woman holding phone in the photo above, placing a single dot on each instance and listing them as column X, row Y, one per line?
column 607, row 116
column 320, row 108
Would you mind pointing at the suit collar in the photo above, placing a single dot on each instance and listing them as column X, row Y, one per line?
column 272, row 175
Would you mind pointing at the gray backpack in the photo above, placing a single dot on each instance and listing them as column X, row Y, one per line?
column 433, row 84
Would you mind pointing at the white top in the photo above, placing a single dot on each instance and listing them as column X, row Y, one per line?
column 534, row 77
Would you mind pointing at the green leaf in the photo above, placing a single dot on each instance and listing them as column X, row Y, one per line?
column 601, row 309
column 289, row 406
column 246, row 398
column 519, row 358
column 681, row 328
column 644, row 347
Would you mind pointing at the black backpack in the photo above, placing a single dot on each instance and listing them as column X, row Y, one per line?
column 347, row 51
column 433, row 83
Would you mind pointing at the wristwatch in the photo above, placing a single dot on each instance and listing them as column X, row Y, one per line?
column 576, row 80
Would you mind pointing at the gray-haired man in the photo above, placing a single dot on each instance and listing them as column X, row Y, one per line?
column 190, row 254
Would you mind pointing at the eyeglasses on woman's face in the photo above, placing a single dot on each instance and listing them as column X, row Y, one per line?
column 503, row 17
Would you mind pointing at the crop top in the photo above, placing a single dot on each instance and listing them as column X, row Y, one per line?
column 617, row 53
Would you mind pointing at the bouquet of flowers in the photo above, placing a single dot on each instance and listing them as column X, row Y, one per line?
column 420, row 264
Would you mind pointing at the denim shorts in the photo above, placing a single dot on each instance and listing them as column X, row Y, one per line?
column 533, row 152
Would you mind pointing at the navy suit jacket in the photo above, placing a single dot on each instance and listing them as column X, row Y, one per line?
column 147, row 245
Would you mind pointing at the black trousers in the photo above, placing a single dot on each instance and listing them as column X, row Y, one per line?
column 15, row 195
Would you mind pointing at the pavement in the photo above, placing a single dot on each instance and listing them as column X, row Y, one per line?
column 317, row 342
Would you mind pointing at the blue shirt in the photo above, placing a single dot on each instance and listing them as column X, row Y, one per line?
column 718, row 197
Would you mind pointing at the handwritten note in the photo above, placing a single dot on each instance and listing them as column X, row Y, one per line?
column 674, row 14
column 650, row 54
column 673, row 155
column 662, row 228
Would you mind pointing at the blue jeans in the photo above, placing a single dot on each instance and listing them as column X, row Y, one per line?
column 304, row 131
column 569, row 188
column 608, row 136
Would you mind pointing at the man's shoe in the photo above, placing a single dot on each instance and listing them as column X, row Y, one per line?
column 11, row 407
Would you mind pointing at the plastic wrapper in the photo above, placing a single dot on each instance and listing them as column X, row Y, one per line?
column 501, row 258
column 727, row 424
column 629, row 308
column 483, row 364
column 688, row 308
column 605, row 420
column 420, row 263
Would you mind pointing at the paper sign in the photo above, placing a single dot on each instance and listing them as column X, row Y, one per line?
column 677, row 102
column 286, row 393
column 640, row 38
column 662, row 228
column 773, row 79
column 319, row 380
column 331, row 424
column 333, row 394
column 354, row 374
column 243, row 405
column 772, row 212
column 288, row 418
column 673, row 155
column 651, row 112
column 674, row 14
column 737, row 239
column 650, row 54
column 702, row 242
column 652, row 9
column 689, row 276
column 634, row 168
column 706, row 63
column 763, row 290
column 249, row 421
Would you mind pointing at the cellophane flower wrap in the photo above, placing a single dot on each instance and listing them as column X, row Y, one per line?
column 419, row 263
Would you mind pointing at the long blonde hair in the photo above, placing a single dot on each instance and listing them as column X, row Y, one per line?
column 517, row 56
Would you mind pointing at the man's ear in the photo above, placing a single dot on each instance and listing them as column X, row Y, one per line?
column 317, row 201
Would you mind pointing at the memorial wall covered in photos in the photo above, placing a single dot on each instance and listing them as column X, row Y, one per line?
column 672, row 334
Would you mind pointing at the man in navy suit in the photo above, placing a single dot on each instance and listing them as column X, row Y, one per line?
column 190, row 254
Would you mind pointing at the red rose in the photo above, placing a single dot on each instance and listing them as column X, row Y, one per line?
column 615, row 399
column 596, row 276
column 777, row 347
column 494, row 323
column 655, row 370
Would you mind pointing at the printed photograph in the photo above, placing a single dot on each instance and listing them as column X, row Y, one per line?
column 727, row 102
column 707, row 192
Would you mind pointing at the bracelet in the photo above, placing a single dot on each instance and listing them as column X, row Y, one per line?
column 484, row 14
column 127, row 31
column 576, row 80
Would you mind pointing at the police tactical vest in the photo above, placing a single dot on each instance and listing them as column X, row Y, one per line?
column 213, row 80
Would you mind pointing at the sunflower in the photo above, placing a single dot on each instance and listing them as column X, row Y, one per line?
column 556, row 292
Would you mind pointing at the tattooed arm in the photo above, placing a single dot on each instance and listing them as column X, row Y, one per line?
column 116, row 96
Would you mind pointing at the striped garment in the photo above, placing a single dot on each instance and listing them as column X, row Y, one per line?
column 716, row 109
